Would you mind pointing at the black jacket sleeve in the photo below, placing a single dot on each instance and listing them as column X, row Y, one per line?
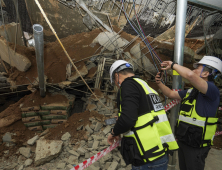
column 130, row 106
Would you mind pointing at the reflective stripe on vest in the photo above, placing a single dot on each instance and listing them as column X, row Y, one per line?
column 167, row 138
column 164, row 139
column 162, row 118
column 192, row 121
column 145, row 85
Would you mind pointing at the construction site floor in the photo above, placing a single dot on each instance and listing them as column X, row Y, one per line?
column 213, row 160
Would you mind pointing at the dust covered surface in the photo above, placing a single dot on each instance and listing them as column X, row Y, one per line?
column 74, row 121
column 78, row 47
column 55, row 60
column 34, row 99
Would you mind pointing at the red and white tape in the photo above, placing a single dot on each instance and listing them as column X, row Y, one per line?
column 218, row 133
column 94, row 158
column 171, row 104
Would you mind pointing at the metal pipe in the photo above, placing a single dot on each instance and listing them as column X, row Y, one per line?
column 39, row 50
column 178, row 58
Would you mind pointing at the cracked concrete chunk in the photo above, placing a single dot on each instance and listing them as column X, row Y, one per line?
column 106, row 158
column 14, row 59
column 74, row 153
column 69, row 166
column 107, row 130
column 25, row 151
column 89, row 129
column 21, row 167
column 72, row 160
column 7, row 137
column 33, row 140
column 98, row 126
column 148, row 66
column 80, row 127
column 110, row 40
column 82, row 70
column 95, row 145
column 28, row 162
column 66, row 136
column 113, row 166
column 61, row 166
column 46, row 150
column 91, row 107
column 136, row 52
column 81, row 150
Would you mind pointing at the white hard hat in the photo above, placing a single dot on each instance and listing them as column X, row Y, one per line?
column 211, row 61
column 116, row 67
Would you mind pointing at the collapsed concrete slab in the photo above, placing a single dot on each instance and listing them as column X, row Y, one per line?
column 110, row 41
column 14, row 59
column 82, row 70
column 46, row 150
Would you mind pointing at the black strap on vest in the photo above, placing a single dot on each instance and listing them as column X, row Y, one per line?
column 155, row 118
column 207, row 123
column 150, row 153
column 193, row 95
column 208, row 142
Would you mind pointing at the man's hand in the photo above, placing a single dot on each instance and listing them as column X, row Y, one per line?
column 158, row 77
column 111, row 139
column 166, row 65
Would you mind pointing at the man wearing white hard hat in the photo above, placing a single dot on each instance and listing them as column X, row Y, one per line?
column 147, row 136
column 197, row 120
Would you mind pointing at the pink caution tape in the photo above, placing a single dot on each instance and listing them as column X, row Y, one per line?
column 218, row 133
column 94, row 158
column 171, row 104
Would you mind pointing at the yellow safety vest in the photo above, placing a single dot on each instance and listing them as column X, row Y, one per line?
column 152, row 131
column 194, row 130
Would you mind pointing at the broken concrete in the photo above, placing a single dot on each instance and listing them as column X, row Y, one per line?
column 91, row 107
column 82, row 70
column 110, row 41
column 98, row 126
column 47, row 150
column 25, row 152
column 136, row 52
column 33, row 140
column 28, row 162
column 14, row 59
column 66, row 136
column 7, row 137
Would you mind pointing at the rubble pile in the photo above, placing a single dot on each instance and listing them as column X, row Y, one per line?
column 44, row 132
column 68, row 150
